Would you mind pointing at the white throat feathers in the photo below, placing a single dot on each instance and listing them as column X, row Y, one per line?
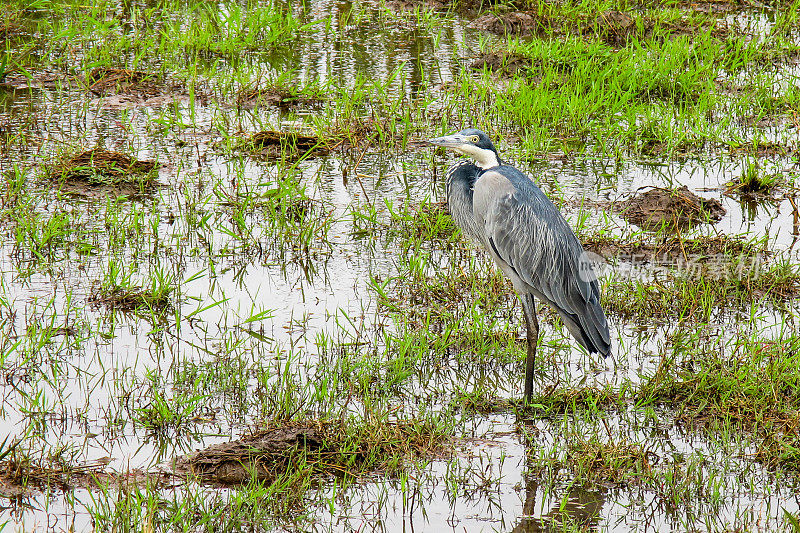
column 484, row 158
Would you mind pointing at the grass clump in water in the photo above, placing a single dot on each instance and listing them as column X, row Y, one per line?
column 282, row 96
column 669, row 248
column 750, row 382
column 701, row 287
column 594, row 462
column 117, row 291
column 107, row 80
column 753, row 182
column 563, row 400
column 287, row 457
column 282, row 145
column 100, row 167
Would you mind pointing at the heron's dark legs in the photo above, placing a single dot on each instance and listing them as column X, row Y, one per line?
column 532, row 327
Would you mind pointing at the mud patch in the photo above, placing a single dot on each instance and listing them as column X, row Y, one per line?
column 669, row 208
column 104, row 81
column 9, row 29
column 131, row 299
column 321, row 447
column 100, row 172
column 280, row 144
column 505, row 63
column 520, row 23
column 712, row 7
column 38, row 80
column 672, row 248
column 21, row 474
column 121, row 88
column 283, row 98
column 763, row 149
column 258, row 456
column 411, row 5
column 616, row 28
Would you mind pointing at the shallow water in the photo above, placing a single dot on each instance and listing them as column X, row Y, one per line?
column 82, row 391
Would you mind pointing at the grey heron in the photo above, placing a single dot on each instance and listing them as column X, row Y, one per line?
column 505, row 211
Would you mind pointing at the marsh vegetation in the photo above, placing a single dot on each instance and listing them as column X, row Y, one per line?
column 231, row 298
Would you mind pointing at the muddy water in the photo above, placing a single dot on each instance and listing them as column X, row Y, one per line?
column 105, row 372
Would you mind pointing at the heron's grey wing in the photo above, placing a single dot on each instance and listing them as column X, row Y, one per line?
column 532, row 242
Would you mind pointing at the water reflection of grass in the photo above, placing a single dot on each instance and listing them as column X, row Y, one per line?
column 430, row 352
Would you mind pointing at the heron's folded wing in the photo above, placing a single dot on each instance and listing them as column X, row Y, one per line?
column 526, row 231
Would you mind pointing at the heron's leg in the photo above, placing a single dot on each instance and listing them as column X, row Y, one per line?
column 532, row 327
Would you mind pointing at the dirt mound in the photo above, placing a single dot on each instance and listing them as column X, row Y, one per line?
column 100, row 171
column 280, row 97
column 131, row 299
column 257, row 456
column 657, row 208
column 321, row 447
column 521, row 23
column 281, row 144
column 121, row 88
column 99, row 166
column 510, row 64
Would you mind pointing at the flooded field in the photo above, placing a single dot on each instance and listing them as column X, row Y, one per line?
column 232, row 297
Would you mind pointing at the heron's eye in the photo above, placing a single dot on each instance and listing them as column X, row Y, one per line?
column 474, row 139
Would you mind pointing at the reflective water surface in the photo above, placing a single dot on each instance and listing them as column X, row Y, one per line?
column 79, row 378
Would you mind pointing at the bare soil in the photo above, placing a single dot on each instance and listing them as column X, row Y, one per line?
column 673, row 248
column 280, row 97
column 521, row 23
column 676, row 208
column 100, row 172
column 21, row 476
column 238, row 461
column 277, row 144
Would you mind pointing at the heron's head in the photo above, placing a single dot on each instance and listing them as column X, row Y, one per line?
column 472, row 143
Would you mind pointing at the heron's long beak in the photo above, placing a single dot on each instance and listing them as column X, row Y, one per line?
column 449, row 141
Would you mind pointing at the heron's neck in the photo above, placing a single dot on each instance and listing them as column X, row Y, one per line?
column 459, row 187
column 483, row 157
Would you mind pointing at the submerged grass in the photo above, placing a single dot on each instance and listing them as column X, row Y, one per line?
column 283, row 145
column 752, row 382
column 117, row 290
column 379, row 395
column 700, row 288
column 103, row 167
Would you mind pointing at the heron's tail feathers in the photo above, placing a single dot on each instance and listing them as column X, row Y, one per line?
column 590, row 328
